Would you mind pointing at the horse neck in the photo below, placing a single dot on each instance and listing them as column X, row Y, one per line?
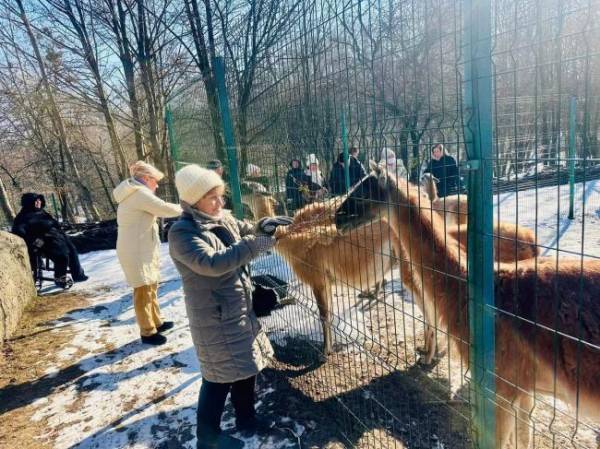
column 432, row 192
column 435, row 261
column 263, row 207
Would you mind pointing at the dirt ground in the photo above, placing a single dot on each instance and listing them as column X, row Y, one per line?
column 370, row 393
column 24, row 360
column 373, row 393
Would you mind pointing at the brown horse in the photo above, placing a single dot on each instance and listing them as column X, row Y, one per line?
column 322, row 258
column 547, row 311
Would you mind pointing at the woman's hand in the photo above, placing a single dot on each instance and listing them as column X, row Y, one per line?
column 264, row 243
column 268, row 225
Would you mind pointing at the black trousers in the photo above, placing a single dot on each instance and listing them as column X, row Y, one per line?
column 211, row 403
column 64, row 254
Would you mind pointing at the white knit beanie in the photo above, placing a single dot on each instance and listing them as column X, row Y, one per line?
column 193, row 182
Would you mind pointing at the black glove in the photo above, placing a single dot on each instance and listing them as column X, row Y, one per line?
column 268, row 225
column 264, row 243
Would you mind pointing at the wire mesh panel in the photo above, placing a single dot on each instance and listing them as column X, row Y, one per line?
column 380, row 330
column 381, row 77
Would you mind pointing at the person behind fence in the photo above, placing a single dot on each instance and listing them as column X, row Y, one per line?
column 357, row 170
column 337, row 177
column 313, row 170
column 293, row 182
column 44, row 237
column 138, row 245
column 393, row 165
column 216, row 166
column 443, row 167
column 211, row 250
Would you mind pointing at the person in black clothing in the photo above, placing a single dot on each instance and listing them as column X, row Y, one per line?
column 337, row 177
column 357, row 171
column 43, row 236
column 295, row 180
column 444, row 168
column 217, row 166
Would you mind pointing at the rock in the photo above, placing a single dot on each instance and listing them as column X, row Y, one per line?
column 16, row 282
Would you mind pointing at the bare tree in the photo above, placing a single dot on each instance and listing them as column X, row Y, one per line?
column 54, row 111
column 79, row 17
column 250, row 33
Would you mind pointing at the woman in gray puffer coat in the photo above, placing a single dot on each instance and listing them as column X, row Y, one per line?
column 211, row 249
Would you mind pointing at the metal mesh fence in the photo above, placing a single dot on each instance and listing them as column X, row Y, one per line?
column 506, row 333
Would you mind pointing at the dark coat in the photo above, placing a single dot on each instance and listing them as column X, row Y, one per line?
column 218, row 294
column 295, row 180
column 446, row 171
column 337, row 179
column 357, row 171
column 31, row 223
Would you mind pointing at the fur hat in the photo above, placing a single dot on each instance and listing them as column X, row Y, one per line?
column 193, row 182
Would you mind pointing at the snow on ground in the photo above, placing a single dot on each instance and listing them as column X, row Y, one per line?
column 135, row 396
column 546, row 212
column 129, row 395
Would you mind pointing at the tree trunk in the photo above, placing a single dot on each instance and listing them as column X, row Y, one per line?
column 56, row 117
column 148, row 82
column 203, row 64
column 7, row 208
column 119, row 28
column 104, row 186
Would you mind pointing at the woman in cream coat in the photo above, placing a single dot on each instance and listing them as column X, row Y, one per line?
column 138, row 245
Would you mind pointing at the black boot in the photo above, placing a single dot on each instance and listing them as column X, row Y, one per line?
column 165, row 326
column 155, row 339
column 220, row 441
column 253, row 426
column 80, row 278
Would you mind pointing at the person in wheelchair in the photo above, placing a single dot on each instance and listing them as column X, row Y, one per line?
column 43, row 237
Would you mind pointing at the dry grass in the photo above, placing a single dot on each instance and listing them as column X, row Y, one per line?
column 24, row 359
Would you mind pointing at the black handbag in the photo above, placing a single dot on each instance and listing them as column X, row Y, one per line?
column 267, row 291
column 267, row 294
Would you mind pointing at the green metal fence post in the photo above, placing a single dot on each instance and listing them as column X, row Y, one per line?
column 572, row 144
column 227, row 124
column 172, row 141
column 345, row 148
column 478, row 139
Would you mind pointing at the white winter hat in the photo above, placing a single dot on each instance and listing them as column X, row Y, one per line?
column 193, row 182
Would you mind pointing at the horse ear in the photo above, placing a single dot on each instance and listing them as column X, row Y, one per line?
column 373, row 165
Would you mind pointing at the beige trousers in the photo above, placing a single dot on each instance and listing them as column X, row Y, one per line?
column 147, row 310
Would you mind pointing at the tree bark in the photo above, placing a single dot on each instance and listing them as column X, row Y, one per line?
column 119, row 28
column 7, row 208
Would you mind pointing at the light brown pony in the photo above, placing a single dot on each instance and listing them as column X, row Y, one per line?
column 322, row 258
column 454, row 208
column 258, row 199
column 511, row 242
column 547, row 310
